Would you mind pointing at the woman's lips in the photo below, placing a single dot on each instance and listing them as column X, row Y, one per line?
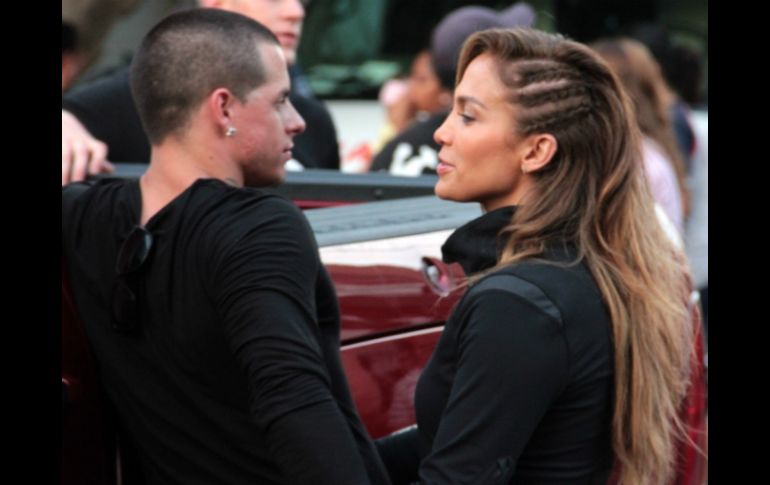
column 444, row 167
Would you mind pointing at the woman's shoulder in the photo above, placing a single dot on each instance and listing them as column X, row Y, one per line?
column 554, row 269
column 557, row 286
column 519, row 287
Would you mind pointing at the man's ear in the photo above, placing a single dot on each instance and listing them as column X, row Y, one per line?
column 540, row 149
column 220, row 104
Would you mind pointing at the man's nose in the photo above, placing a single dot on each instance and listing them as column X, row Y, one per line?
column 296, row 124
column 293, row 9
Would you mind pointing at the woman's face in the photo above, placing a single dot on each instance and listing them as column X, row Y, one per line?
column 481, row 153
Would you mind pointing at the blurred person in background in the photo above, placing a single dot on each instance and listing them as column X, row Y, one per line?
column 92, row 20
column 70, row 62
column 413, row 99
column 664, row 164
column 682, row 67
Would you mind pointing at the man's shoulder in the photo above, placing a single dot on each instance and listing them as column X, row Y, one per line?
column 267, row 203
column 240, row 205
column 97, row 205
column 231, row 219
column 87, row 191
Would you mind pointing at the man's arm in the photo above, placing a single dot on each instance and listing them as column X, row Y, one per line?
column 99, row 119
column 81, row 153
column 264, row 288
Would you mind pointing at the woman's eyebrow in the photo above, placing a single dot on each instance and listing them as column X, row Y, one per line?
column 470, row 99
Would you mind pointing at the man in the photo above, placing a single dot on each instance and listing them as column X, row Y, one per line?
column 99, row 120
column 214, row 325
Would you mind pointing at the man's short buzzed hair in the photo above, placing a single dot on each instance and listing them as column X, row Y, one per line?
column 187, row 56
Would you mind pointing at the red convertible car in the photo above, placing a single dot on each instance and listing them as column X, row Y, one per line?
column 380, row 239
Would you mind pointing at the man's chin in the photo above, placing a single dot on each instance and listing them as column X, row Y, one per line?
column 290, row 53
column 271, row 179
column 277, row 179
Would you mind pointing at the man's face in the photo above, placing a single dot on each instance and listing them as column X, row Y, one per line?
column 267, row 123
column 283, row 17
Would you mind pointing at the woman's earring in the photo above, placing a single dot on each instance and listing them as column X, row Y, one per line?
column 230, row 131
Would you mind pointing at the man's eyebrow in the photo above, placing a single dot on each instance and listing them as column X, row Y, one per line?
column 470, row 99
column 284, row 93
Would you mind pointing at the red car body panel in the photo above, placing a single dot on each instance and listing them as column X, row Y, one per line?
column 383, row 374
column 382, row 300
column 88, row 436
column 692, row 462
column 316, row 204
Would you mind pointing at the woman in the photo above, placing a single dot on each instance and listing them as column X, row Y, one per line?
column 570, row 350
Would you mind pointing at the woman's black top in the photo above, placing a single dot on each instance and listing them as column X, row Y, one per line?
column 520, row 386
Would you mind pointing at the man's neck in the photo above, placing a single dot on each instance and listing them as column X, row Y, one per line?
column 175, row 166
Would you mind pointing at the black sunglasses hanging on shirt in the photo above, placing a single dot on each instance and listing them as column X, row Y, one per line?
column 131, row 256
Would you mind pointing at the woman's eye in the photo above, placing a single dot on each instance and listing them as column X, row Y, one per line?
column 467, row 119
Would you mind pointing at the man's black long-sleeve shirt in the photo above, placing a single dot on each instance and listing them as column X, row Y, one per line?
column 234, row 375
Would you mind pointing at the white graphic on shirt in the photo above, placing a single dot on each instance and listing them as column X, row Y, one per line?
column 410, row 166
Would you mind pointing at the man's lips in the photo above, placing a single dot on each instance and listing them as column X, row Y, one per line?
column 287, row 38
